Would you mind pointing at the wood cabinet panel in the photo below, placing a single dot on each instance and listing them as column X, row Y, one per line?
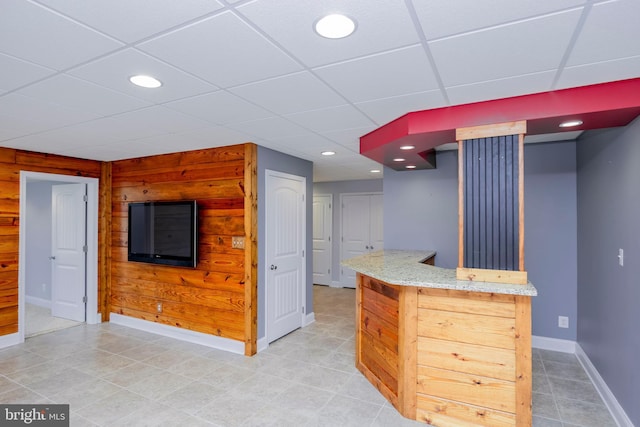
column 470, row 389
column 469, row 358
column 467, row 302
column 442, row 412
column 468, row 328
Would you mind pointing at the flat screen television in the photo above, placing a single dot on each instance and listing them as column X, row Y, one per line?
column 164, row 233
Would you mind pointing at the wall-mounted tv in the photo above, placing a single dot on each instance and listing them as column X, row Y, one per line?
column 164, row 233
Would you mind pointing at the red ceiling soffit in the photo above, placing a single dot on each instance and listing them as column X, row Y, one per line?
column 598, row 106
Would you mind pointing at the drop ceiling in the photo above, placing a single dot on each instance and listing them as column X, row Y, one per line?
column 238, row 71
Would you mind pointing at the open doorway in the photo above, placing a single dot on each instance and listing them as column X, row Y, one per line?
column 43, row 279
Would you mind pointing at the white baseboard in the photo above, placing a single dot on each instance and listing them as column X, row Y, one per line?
column 9, row 340
column 262, row 344
column 617, row 412
column 40, row 302
column 554, row 344
column 308, row 319
column 212, row 341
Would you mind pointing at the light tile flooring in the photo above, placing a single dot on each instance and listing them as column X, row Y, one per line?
column 39, row 321
column 116, row 376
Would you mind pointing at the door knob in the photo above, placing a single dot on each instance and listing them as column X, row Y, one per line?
column 52, row 257
column 274, row 267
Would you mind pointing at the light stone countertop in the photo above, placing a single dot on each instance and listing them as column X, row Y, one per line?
column 405, row 268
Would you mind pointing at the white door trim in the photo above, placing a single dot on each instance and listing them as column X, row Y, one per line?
column 92, row 242
column 303, row 237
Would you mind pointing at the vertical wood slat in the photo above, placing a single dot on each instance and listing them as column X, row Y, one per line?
column 251, row 249
column 104, row 267
column 524, row 370
column 408, row 351
column 461, row 235
column 491, row 203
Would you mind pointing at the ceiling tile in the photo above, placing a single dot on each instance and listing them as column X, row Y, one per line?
column 349, row 138
column 505, row 51
column 296, row 33
column 63, row 44
column 114, row 71
column 441, row 18
column 386, row 110
column 399, row 72
column 16, row 73
column 133, row 20
column 220, row 108
column 71, row 92
column 291, row 93
column 269, row 128
column 329, row 119
column 599, row 42
column 204, row 49
column 208, row 137
column 157, row 120
column 501, row 88
column 599, row 72
column 32, row 115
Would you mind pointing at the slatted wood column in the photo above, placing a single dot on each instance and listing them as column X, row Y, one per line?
column 491, row 203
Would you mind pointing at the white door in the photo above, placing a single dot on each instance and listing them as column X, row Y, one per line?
column 68, row 252
column 322, row 239
column 375, row 223
column 361, row 226
column 285, row 242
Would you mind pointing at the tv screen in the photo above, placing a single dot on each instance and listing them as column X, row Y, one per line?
column 164, row 233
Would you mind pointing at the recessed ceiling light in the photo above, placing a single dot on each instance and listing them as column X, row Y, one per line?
column 407, row 147
column 335, row 26
column 145, row 81
column 375, row 171
column 328, row 153
column 410, row 166
column 570, row 123
column 399, row 159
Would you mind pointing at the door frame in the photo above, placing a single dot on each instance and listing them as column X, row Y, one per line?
column 303, row 238
column 92, row 315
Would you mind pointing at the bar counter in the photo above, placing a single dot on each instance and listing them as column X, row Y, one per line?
column 443, row 351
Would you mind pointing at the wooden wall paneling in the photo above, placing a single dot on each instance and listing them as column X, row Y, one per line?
column 219, row 295
column 251, row 249
column 11, row 163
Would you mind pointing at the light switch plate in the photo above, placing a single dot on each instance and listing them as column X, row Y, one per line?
column 237, row 242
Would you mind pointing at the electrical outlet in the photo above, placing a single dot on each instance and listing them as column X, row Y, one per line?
column 621, row 257
column 563, row 322
column 237, row 242
column 159, row 307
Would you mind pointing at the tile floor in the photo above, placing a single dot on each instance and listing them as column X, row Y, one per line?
column 117, row 376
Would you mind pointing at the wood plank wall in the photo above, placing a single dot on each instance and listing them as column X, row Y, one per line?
column 11, row 163
column 213, row 298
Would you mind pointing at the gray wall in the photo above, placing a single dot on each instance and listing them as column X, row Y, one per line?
column 276, row 161
column 38, row 241
column 421, row 212
column 336, row 188
column 608, row 294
